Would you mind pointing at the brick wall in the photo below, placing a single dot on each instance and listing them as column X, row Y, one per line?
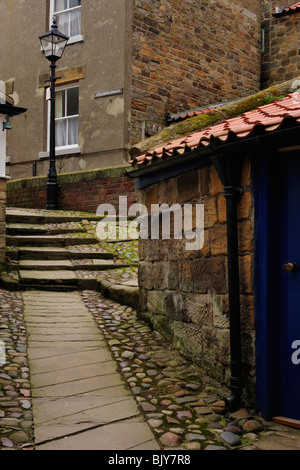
column 280, row 58
column 82, row 191
column 188, row 54
column 2, row 218
column 184, row 293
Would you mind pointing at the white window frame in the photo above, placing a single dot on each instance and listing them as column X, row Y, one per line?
column 72, row 39
column 66, row 149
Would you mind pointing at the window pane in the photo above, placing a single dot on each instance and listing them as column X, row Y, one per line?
column 75, row 23
column 73, row 131
column 62, row 21
column 60, row 5
column 60, row 132
column 60, row 110
column 74, row 3
column 73, row 97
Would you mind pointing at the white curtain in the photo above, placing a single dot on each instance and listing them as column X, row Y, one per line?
column 73, row 131
column 60, row 127
column 63, row 23
column 60, row 132
column 75, row 23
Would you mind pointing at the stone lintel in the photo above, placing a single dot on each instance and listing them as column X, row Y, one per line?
column 67, row 75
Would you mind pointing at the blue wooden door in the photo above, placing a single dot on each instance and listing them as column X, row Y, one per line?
column 290, row 287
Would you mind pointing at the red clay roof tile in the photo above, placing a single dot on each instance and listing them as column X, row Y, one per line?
column 289, row 10
column 270, row 117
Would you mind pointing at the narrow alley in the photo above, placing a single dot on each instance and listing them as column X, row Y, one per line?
column 80, row 370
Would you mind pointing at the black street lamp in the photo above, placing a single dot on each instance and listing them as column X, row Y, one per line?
column 53, row 45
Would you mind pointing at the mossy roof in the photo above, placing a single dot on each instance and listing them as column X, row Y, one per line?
column 266, row 108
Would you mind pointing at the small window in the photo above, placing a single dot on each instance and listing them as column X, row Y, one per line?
column 68, row 16
column 66, row 117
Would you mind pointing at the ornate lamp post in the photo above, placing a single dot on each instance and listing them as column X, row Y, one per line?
column 53, row 45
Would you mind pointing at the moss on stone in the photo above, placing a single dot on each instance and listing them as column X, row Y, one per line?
column 72, row 177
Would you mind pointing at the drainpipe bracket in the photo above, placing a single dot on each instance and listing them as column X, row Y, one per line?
column 233, row 191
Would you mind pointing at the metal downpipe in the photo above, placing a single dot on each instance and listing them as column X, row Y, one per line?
column 232, row 194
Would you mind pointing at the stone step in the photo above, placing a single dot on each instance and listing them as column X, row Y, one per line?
column 40, row 229
column 59, row 253
column 48, row 240
column 54, row 280
column 60, row 277
column 14, row 229
column 54, row 251
column 67, row 265
column 43, row 217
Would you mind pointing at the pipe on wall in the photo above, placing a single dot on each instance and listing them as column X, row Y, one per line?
column 229, row 169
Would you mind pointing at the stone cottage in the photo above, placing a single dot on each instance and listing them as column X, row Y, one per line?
column 232, row 303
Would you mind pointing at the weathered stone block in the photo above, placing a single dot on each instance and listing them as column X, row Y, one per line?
column 204, row 181
column 145, row 275
column 246, row 274
column 210, row 212
column 247, row 311
column 216, row 345
column 185, row 276
column 188, row 186
column 222, row 216
column 245, row 206
column 199, row 309
column 150, row 196
column 218, row 240
column 216, row 186
column 175, row 306
column 156, row 302
column 246, row 236
column 220, row 307
column 188, row 338
column 209, row 274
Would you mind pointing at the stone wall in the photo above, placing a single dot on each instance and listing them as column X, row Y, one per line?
column 2, row 218
column 280, row 54
column 191, row 54
column 184, row 293
column 82, row 191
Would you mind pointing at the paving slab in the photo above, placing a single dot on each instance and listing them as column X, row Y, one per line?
column 109, row 384
column 79, row 399
column 67, row 361
column 129, row 435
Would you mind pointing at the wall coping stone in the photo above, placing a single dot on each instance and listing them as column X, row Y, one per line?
column 72, row 177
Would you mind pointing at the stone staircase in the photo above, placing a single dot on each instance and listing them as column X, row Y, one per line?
column 54, row 251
